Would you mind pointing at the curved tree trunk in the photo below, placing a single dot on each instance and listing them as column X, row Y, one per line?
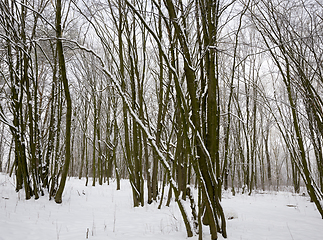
column 62, row 67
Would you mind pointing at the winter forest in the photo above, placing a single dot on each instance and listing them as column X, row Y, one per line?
column 184, row 99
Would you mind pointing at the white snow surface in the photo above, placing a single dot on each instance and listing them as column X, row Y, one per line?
column 101, row 212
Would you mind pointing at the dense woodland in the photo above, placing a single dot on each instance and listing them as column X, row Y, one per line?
column 205, row 94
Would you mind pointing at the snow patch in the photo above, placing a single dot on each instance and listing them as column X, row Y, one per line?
column 101, row 212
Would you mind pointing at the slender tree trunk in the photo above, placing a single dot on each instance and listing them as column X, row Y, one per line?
column 60, row 53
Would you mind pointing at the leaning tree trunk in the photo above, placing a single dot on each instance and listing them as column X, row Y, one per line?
column 62, row 67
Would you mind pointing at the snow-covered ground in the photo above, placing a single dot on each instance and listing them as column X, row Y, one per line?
column 101, row 212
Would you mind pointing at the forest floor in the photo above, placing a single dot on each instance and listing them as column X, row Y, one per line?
column 101, row 212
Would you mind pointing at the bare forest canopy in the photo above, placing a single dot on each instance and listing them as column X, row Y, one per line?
column 212, row 94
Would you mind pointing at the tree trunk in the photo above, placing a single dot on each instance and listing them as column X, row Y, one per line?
column 60, row 53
